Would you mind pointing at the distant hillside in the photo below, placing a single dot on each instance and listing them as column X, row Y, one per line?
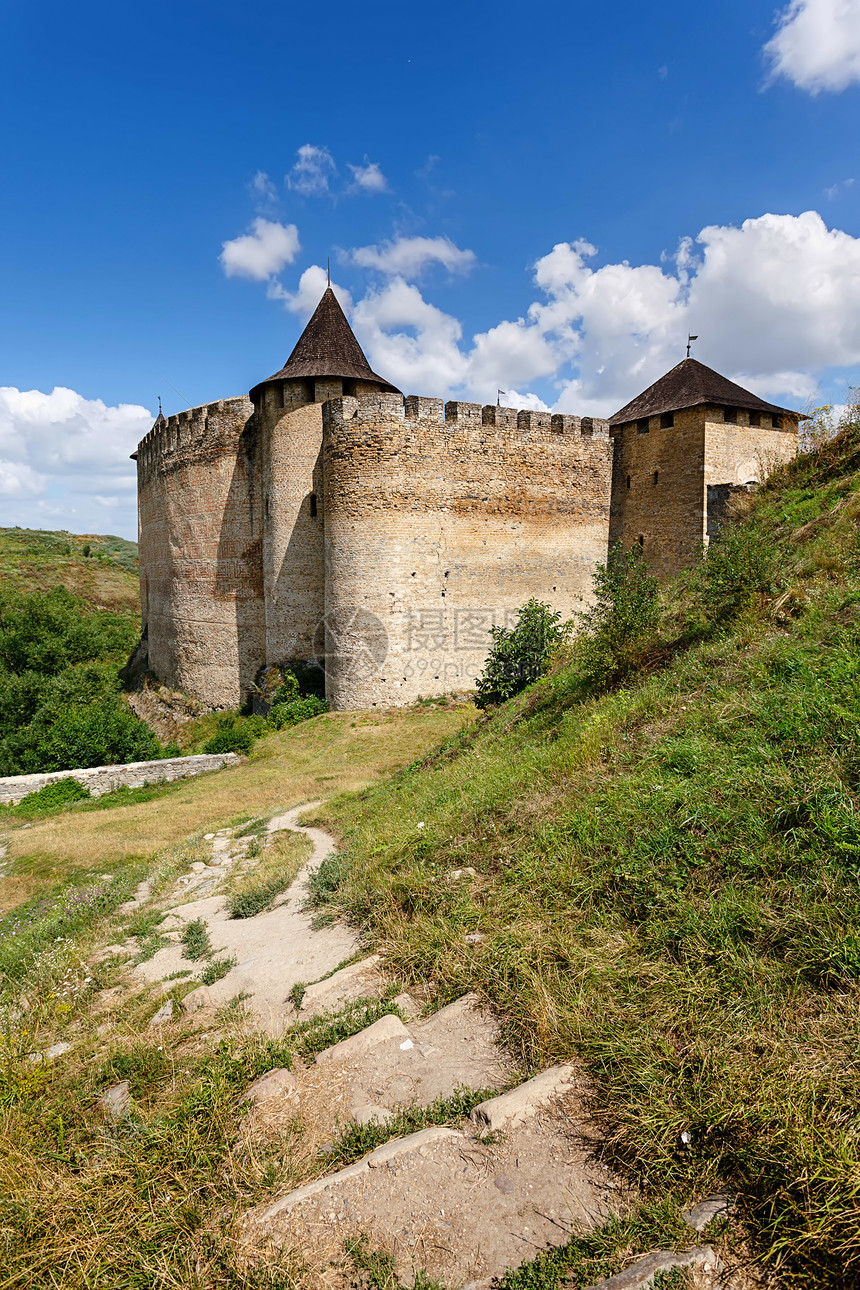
column 101, row 570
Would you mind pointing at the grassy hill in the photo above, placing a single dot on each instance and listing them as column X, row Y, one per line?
column 666, row 850
column 659, row 845
column 100, row 570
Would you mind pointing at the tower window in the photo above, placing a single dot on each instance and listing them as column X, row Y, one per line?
column 755, row 418
column 628, row 481
column 656, row 476
column 667, row 420
column 730, row 415
column 641, row 541
column 642, row 425
column 267, row 505
column 313, row 500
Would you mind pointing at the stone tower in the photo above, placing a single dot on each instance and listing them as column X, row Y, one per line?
column 327, row 363
column 680, row 447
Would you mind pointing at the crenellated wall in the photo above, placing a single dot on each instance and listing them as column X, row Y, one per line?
column 200, row 530
column 441, row 522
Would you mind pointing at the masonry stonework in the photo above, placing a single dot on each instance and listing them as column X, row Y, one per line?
column 200, row 544
column 440, row 524
column 328, row 519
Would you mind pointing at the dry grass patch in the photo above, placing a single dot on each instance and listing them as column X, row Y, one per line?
column 328, row 754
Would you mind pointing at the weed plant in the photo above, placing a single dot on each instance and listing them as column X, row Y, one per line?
column 195, row 940
column 667, row 852
column 280, row 861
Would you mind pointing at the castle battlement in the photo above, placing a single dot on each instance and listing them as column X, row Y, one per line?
column 456, row 417
column 194, row 429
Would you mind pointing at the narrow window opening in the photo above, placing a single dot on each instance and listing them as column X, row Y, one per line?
column 730, row 415
column 642, row 426
column 313, row 506
column 267, row 505
column 641, row 541
column 755, row 418
column 628, row 481
column 656, row 476
column 667, row 420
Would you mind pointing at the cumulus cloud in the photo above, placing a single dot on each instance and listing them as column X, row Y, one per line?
column 368, row 178
column 312, row 284
column 817, row 45
column 261, row 253
column 312, row 172
column 407, row 257
column 64, row 460
column 773, row 302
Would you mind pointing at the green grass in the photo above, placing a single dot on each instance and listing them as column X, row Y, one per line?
column 102, row 570
column 668, row 875
column 195, row 940
column 279, row 861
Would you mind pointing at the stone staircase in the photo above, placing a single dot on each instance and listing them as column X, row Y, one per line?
column 462, row 1202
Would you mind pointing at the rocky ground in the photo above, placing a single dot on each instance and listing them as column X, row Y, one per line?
column 460, row 1204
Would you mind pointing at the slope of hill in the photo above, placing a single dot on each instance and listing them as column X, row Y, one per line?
column 100, row 570
column 663, row 868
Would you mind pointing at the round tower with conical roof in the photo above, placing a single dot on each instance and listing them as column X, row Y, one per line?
column 327, row 363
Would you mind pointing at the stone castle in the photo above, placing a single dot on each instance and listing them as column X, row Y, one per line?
column 326, row 517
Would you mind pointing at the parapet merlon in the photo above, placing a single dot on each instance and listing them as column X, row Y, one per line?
column 456, row 415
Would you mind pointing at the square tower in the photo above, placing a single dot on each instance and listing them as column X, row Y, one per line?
column 679, row 450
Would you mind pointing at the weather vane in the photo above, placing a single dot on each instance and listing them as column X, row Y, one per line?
column 690, row 340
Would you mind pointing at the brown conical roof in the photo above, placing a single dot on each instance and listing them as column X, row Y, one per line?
column 689, row 384
column 327, row 347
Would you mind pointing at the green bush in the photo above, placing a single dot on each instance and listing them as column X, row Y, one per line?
column 60, row 701
column 624, row 612
column 290, row 714
column 232, row 734
column 520, row 654
column 52, row 796
column 739, row 570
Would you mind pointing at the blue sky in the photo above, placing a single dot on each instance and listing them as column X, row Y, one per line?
column 542, row 199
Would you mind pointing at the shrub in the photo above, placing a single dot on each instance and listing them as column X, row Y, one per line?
column 52, row 797
column 624, row 612
column 217, row 969
column 740, row 568
column 232, row 734
column 60, row 705
column 195, row 940
column 290, row 714
column 520, row 654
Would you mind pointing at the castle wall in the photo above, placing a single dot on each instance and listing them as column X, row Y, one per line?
column 292, row 492
column 438, row 525
column 200, row 551
column 742, row 454
column 658, row 493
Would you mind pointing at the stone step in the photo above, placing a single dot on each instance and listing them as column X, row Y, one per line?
column 361, row 980
column 460, row 1207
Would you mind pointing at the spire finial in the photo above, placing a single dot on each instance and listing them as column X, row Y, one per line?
column 328, row 269
column 159, row 405
column 690, row 340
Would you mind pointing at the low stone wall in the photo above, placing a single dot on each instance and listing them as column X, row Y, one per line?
column 105, row 779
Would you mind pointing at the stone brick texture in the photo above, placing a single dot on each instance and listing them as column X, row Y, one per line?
column 386, row 536
column 107, row 779
column 661, row 476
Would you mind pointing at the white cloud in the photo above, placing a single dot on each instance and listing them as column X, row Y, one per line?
column 313, row 171
column 407, row 257
column 774, row 304
column 312, row 284
column 64, row 460
column 262, row 252
column 817, row 44
column 368, row 178
column 262, row 189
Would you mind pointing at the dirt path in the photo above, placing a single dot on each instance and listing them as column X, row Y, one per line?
column 463, row 1204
